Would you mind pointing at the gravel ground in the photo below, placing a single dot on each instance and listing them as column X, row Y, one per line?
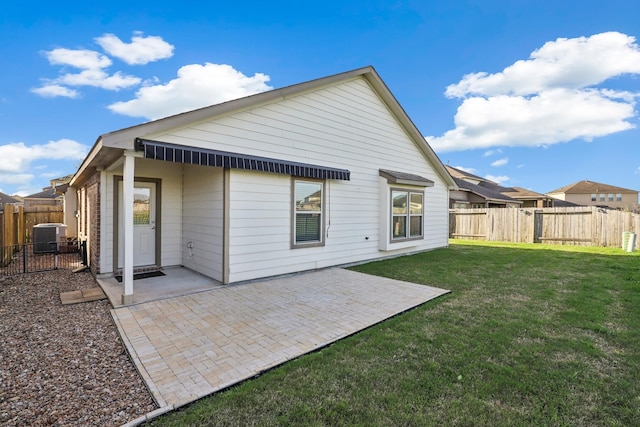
column 63, row 365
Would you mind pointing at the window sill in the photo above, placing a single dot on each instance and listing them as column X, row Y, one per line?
column 399, row 244
column 307, row 245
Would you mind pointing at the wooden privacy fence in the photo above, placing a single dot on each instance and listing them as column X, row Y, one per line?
column 16, row 222
column 590, row 226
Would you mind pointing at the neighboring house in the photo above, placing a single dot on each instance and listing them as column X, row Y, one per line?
column 68, row 197
column 529, row 199
column 56, row 195
column 462, row 174
column 487, row 193
column 322, row 173
column 5, row 198
column 470, row 195
column 53, row 195
column 58, row 182
column 47, row 197
column 591, row 193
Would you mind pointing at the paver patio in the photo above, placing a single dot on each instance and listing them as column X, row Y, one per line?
column 190, row 346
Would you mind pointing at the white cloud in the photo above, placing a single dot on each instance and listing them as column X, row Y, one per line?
column 20, row 182
column 500, row 162
column 553, row 116
column 196, row 86
column 99, row 78
column 490, row 153
column 92, row 72
column 55, row 90
column 566, row 63
column 15, row 158
column 499, row 179
column 547, row 99
column 15, row 178
column 638, row 170
column 78, row 58
column 140, row 51
column 51, row 175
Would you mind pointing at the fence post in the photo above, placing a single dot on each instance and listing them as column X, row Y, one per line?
column 24, row 258
column 55, row 256
column 83, row 248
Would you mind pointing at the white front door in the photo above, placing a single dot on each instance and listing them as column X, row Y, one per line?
column 144, row 225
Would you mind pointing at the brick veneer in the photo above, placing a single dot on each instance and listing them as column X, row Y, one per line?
column 93, row 200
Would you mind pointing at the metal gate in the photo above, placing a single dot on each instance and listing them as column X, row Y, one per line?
column 31, row 258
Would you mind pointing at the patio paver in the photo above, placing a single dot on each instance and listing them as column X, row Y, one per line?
column 190, row 346
column 82, row 295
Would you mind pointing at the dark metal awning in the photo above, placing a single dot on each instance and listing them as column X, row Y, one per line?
column 157, row 150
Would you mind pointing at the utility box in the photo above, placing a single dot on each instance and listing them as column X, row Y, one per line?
column 631, row 243
column 47, row 237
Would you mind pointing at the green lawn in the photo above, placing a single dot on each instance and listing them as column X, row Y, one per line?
column 530, row 335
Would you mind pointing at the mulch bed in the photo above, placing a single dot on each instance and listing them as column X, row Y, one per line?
column 63, row 364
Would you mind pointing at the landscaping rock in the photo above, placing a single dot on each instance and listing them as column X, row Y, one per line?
column 63, row 364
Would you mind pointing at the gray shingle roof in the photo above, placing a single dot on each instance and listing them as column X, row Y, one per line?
column 486, row 192
column 47, row 193
column 5, row 198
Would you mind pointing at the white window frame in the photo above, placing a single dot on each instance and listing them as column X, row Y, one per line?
column 404, row 181
column 408, row 215
column 295, row 244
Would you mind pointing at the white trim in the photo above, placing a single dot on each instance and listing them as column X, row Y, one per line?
column 294, row 214
column 127, row 219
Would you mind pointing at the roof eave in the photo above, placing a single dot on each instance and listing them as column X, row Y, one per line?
column 401, row 115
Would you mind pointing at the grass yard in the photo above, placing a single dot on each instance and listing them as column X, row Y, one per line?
column 530, row 335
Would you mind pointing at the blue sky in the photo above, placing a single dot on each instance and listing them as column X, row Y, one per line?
column 537, row 94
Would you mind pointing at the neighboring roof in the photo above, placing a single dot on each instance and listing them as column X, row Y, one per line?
column 62, row 180
column 459, row 173
column 559, row 203
column 522, row 193
column 517, row 193
column 47, row 193
column 61, row 188
column 488, row 193
column 589, row 187
column 109, row 147
column 5, row 198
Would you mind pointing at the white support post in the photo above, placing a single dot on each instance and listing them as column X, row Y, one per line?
column 127, row 219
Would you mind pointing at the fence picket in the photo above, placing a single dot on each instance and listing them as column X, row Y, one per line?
column 17, row 223
column 591, row 226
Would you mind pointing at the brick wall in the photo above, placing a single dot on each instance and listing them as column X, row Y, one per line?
column 92, row 187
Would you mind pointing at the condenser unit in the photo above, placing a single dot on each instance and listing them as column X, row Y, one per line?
column 47, row 237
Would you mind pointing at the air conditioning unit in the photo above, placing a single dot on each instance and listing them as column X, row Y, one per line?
column 47, row 237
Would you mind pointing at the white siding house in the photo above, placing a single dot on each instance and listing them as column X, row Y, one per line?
column 318, row 174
